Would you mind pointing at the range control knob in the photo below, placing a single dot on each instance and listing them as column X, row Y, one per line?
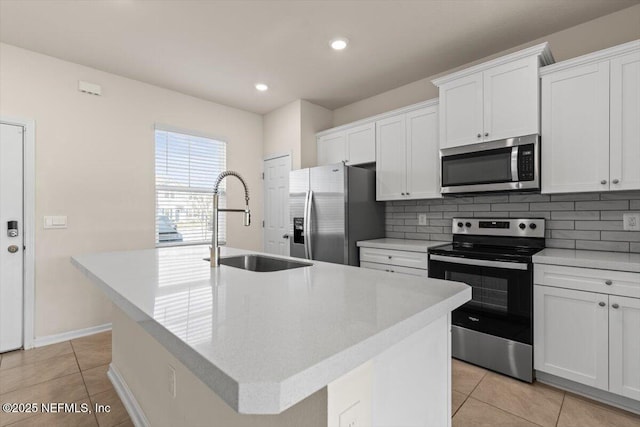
column 522, row 226
column 468, row 225
column 533, row 226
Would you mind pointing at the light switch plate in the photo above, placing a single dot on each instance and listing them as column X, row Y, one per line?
column 422, row 219
column 59, row 221
column 350, row 417
column 631, row 221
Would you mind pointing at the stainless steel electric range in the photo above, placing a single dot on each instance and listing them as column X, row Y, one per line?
column 493, row 256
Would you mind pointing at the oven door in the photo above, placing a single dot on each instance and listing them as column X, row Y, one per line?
column 502, row 292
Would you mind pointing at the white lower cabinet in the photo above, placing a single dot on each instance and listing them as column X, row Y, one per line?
column 571, row 335
column 624, row 346
column 592, row 338
column 394, row 261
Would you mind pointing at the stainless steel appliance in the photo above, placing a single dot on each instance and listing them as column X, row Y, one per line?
column 493, row 256
column 331, row 208
column 508, row 164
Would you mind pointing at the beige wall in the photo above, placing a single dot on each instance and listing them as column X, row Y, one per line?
column 292, row 129
column 282, row 132
column 603, row 32
column 95, row 164
column 314, row 118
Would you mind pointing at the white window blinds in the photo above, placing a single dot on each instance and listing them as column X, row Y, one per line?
column 186, row 169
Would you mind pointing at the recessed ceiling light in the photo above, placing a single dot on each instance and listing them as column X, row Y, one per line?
column 339, row 44
column 261, row 87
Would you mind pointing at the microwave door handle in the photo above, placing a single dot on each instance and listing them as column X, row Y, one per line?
column 481, row 262
column 514, row 164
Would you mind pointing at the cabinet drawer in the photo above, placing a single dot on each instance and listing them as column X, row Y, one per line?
column 394, row 269
column 391, row 257
column 588, row 279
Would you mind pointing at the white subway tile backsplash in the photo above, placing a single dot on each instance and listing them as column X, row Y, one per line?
column 591, row 221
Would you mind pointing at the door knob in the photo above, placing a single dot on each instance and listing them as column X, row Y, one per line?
column 479, row 135
column 285, row 236
column 486, row 134
column 608, row 282
column 601, row 304
column 13, row 249
column 603, row 182
column 615, row 181
column 615, row 306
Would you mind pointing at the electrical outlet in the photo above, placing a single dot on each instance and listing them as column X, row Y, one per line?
column 422, row 219
column 350, row 417
column 171, row 376
column 631, row 221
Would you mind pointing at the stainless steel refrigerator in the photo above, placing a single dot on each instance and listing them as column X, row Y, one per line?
column 331, row 208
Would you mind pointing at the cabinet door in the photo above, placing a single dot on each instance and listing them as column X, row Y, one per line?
column 390, row 158
column 571, row 335
column 461, row 111
column 423, row 154
column 511, row 100
column 331, row 149
column 625, row 122
column 624, row 346
column 361, row 144
column 575, row 129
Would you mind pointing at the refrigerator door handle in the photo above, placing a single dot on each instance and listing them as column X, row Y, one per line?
column 305, row 225
column 307, row 240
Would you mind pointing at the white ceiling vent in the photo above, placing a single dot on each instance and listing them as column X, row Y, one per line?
column 90, row 88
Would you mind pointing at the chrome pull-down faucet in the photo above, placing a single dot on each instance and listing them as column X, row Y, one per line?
column 215, row 247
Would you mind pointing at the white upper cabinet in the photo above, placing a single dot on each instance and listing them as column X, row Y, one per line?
column 423, row 157
column 591, row 122
column 391, row 165
column 331, row 148
column 575, row 129
column 625, row 122
column 407, row 157
column 354, row 145
column 495, row 100
column 361, row 144
column 461, row 111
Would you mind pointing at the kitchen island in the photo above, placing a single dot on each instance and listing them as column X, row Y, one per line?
column 318, row 345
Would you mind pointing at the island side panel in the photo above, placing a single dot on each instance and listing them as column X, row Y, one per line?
column 412, row 380
column 143, row 364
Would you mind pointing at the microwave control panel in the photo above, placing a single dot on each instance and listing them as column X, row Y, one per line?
column 526, row 162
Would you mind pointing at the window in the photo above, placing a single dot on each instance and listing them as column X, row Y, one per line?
column 186, row 169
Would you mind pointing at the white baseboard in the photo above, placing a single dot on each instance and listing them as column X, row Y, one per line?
column 71, row 335
column 128, row 400
column 606, row 397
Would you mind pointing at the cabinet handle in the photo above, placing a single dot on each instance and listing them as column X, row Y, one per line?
column 603, row 182
column 601, row 304
column 391, row 271
column 387, row 271
column 486, row 134
column 479, row 135
column 615, row 306
column 389, row 256
column 608, row 282
column 408, row 194
column 615, row 181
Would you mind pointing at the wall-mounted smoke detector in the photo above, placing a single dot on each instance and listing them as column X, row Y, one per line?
column 90, row 88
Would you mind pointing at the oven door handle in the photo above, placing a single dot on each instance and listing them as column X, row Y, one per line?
column 481, row 262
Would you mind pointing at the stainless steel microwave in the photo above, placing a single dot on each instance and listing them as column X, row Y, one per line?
column 507, row 165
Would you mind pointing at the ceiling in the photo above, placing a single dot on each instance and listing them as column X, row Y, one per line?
column 218, row 50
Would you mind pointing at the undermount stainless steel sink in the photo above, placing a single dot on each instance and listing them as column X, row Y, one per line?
column 261, row 263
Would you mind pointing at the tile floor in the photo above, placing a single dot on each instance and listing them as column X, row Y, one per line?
column 481, row 398
column 72, row 371
column 76, row 371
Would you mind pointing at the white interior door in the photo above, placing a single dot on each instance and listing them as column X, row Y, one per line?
column 276, row 205
column 11, row 246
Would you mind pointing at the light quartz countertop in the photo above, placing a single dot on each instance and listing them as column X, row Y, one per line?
column 619, row 261
column 401, row 244
column 265, row 341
